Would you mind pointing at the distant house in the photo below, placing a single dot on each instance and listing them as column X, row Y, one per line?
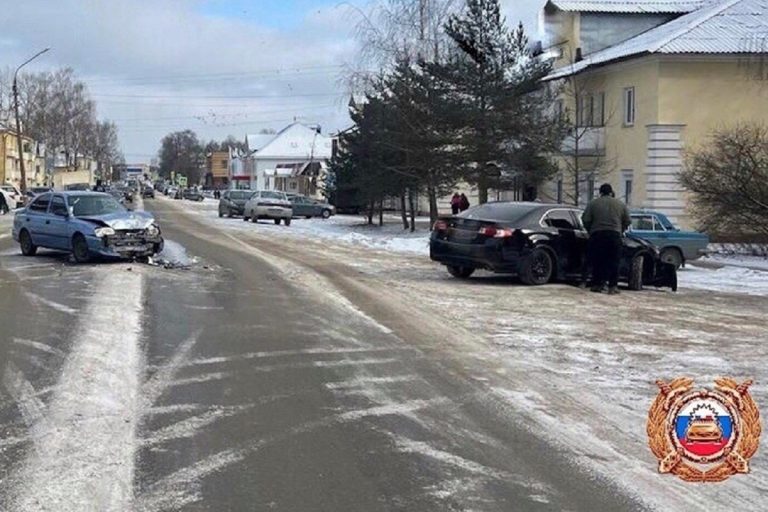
column 654, row 78
column 293, row 160
column 34, row 163
column 217, row 167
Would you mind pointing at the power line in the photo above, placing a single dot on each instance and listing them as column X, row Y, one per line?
column 231, row 97
column 277, row 71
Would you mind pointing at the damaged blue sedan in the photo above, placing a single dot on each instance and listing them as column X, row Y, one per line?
column 86, row 224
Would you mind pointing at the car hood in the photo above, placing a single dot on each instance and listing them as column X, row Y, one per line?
column 122, row 220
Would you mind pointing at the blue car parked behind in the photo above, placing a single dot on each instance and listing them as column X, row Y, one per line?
column 675, row 246
column 86, row 224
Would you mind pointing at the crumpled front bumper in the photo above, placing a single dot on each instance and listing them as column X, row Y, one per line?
column 126, row 245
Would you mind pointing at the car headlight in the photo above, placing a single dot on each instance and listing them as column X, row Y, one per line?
column 153, row 230
column 101, row 232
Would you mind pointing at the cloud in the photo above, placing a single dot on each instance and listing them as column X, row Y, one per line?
column 160, row 65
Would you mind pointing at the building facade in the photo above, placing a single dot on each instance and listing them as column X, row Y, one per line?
column 645, row 81
column 34, row 161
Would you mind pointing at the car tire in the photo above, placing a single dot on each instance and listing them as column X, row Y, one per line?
column 673, row 256
column 4, row 209
column 277, row 221
column 307, row 216
column 326, row 214
column 287, row 221
column 635, row 280
column 537, row 268
column 25, row 242
column 230, row 214
column 254, row 218
column 80, row 249
column 221, row 214
column 460, row 272
column 245, row 217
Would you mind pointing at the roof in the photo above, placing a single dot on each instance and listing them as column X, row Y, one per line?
column 728, row 26
column 629, row 6
column 296, row 141
column 256, row 141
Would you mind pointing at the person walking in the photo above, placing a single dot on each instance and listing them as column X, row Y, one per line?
column 463, row 202
column 605, row 218
column 455, row 200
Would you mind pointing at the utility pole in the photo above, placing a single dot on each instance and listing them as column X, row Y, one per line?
column 20, row 144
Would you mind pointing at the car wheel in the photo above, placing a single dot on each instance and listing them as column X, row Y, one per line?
column 287, row 221
column 254, row 218
column 25, row 241
column 221, row 214
column 3, row 209
column 672, row 256
column 230, row 214
column 245, row 217
column 326, row 214
column 80, row 249
column 307, row 216
column 537, row 268
column 460, row 272
column 635, row 280
column 277, row 221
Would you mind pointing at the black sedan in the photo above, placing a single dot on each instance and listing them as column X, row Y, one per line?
column 538, row 242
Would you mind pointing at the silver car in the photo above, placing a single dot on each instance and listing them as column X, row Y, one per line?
column 268, row 204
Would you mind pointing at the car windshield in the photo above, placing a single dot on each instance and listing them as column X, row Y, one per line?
column 84, row 206
column 272, row 195
column 508, row 212
column 240, row 195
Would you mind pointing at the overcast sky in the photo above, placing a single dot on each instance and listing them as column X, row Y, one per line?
column 217, row 67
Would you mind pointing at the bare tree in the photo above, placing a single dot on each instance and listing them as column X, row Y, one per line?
column 728, row 177
column 584, row 113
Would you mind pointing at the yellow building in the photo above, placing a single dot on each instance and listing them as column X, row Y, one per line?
column 643, row 81
column 10, row 170
column 217, row 169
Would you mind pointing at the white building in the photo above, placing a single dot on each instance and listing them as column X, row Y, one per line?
column 294, row 160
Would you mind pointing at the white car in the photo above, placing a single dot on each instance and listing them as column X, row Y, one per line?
column 15, row 195
column 268, row 204
column 7, row 203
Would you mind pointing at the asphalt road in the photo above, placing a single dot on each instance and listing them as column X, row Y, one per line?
column 251, row 380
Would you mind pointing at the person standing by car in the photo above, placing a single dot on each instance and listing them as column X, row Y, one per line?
column 455, row 200
column 463, row 202
column 605, row 218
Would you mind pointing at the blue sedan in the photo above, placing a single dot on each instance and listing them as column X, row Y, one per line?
column 676, row 246
column 87, row 224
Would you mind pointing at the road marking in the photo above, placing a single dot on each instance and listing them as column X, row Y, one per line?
column 43, row 347
column 85, row 446
column 38, row 300
column 189, row 427
column 154, row 387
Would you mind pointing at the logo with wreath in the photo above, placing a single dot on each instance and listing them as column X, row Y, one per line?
column 703, row 435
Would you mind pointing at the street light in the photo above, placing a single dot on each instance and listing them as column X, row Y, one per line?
column 23, row 186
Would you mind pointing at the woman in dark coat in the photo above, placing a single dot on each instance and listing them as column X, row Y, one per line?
column 455, row 203
column 463, row 202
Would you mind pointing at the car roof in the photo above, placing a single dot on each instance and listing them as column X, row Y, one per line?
column 77, row 193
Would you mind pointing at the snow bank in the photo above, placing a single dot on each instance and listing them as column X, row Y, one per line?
column 728, row 279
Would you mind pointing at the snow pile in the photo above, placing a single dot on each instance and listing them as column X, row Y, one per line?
column 728, row 279
column 175, row 254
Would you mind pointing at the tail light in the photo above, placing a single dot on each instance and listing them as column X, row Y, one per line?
column 496, row 232
column 440, row 225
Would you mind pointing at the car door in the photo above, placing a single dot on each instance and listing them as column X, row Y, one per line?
column 300, row 206
column 57, row 223
column 644, row 226
column 33, row 220
column 570, row 249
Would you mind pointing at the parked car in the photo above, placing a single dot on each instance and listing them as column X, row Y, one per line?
column 17, row 199
column 268, row 204
column 39, row 190
column 538, row 242
column 232, row 202
column 308, row 207
column 192, row 194
column 6, row 202
column 148, row 192
column 87, row 224
column 77, row 186
column 676, row 246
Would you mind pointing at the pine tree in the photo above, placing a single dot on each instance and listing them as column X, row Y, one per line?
column 492, row 89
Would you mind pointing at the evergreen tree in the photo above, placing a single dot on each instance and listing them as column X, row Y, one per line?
column 492, row 89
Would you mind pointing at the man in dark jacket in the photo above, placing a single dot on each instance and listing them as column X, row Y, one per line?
column 606, row 218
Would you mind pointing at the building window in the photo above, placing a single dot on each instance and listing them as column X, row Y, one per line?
column 629, row 106
column 598, row 109
column 590, row 110
column 627, row 176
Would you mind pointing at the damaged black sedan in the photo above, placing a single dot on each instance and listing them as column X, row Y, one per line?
column 87, row 224
column 537, row 242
